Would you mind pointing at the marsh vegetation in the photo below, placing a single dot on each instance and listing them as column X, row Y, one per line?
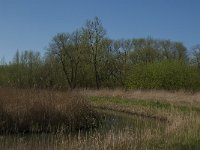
column 35, row 111
column 45, row 119
column 91, row 92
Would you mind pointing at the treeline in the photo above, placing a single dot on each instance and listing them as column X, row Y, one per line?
column 87, row 58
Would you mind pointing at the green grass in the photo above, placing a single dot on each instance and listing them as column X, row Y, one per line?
column 128, row 102
column 143, row 103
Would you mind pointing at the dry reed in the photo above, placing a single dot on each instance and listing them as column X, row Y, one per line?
column 43, row 111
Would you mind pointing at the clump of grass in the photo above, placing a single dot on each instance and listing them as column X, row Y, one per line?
column 32, row 111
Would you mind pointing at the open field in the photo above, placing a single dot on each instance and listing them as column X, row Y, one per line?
column 129, row 119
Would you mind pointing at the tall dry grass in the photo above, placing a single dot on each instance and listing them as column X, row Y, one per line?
column 182, row 130
column 43, row 111
column 180, row 97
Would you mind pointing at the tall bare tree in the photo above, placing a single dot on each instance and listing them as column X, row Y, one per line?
column 67, row 48
column 196, row 53
column 94, row 35
column 145, row 51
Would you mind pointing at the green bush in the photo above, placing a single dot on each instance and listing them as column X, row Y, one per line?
column 170, row 75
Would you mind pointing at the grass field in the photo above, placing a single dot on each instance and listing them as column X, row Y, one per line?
column 134, row 119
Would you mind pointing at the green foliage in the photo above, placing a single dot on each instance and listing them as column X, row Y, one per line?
column 169, row 75
column 4, row 75
column 25, row 70
column 127, row 102
column 86, row 58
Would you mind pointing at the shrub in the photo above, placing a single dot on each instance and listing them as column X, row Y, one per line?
column 170, row 75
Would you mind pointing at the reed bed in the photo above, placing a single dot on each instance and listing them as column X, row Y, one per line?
column 24, row 111
column 176, row 118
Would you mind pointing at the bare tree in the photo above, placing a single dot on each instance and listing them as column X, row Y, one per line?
column 196, row 53
column 94, row 34
column 145, row 51
column 180, row 53
column 67, row 48
column 121, row 52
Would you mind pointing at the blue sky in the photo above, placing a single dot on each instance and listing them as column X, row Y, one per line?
column 30, row 24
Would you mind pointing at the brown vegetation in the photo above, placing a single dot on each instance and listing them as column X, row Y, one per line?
column 52, row 111
column 43, row 111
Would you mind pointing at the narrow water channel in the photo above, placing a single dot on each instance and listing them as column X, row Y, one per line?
column 122, row 121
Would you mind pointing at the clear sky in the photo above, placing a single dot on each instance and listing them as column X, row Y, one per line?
column 30, row 24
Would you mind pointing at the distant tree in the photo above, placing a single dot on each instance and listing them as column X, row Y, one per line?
column 180, row 52
column 3, row 72
column 121, row 59
column 87, row 58
column 145, row 51
column 25, row 69
column 151, row 50
column 167, row 49
column 3, row 61
column 67, row 47
column 94, row 35
column 52, row 73
column 196, row 54
column 16, row 71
